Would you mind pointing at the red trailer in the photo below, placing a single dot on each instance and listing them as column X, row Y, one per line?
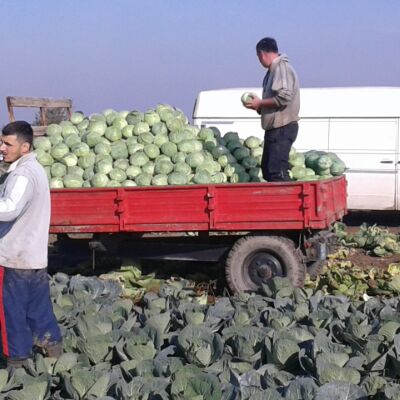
column 257, row 230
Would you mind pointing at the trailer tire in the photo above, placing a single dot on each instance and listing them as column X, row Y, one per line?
column 254, row 260
column 315, row 268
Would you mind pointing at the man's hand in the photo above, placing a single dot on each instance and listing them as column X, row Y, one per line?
column 254, row 104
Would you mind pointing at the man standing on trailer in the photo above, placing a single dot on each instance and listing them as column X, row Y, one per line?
column 279, row 109
column 26, row 313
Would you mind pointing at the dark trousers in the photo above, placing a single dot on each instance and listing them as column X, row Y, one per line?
column 275, row 160
column 26, row 312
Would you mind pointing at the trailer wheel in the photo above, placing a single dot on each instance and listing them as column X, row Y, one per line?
column 254, row 260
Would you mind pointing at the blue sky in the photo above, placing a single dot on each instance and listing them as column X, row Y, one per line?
column 135, row 54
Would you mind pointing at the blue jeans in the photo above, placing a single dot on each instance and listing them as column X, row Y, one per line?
column 275, row 159
column 26, row 312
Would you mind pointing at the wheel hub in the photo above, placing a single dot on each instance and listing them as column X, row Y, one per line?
column 262, row 267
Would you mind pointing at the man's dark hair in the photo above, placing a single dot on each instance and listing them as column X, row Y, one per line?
column 21, row 129
column 268, row 45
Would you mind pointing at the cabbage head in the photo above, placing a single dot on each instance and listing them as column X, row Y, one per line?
column 196, row 159
column 177, row 178
column 88, row 173
column 202, row 177
column 99, row 180
column 176, row 136
column 119, row 123
column 219, row 177
column 226, row 159
column 219, row 150
column 151, row 118
column 143, row 179
column 104, row 167
column 58, row 170
column 146, row 138
column 56, row 183
column 75, row 170
column 246, row 97
column 178, row 157
column 112, row 183
column 141, row 127
column 231, row 136
column 134, row 117
column 138, row 158
column 174, row 124
column 160, row 139
column 128, row 183
column 134, row 147
column 119, row 150
column 122, row 163
column 133, row 171
column 159, row 180
column 190, row 146
column 102, row 148
column 152, row 151
column 169, row 148
column 81, row 149
column 42, row 142
column 324, row 162
column 257, row 152
column 45, row 159
column 127, row 131
column 249, row 162
column 233, row 145
column 337, row 168
column 165, row 113
column 59, row 151
column 72, row 181
column 252, row 142
column 54, row 129
column 210, row 166
column 84, row 125
column 241, row 153
column 159, row 128
column 56, row 139
column 92, row 139
column 298, row 173
column 87, row 161
column 183, row 168
column 148, row 168
column 70, row 160
column 163, row 167
column 117, row 174
column 77, row 118
column 69, row 130
column 72, row 140
column 298, row 160
column 206, row 134
column 97, row 126
column 113, row 134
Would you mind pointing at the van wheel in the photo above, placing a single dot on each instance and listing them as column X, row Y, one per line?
column 253, row 260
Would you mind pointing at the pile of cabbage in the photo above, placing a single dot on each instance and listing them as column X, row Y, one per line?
column 156, row 147
column 314, row 165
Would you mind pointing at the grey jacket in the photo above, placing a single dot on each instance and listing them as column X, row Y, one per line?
column 282, row 85
column 24, row 215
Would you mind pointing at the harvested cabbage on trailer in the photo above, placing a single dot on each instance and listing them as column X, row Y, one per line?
column 158, row 147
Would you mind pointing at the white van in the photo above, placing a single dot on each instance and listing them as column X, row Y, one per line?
column 360, row 124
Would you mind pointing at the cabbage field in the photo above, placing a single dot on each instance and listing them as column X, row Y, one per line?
column 178, row 343
column 159, row 147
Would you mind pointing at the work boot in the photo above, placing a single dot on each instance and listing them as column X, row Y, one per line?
column 54, row 350
column 17, row 363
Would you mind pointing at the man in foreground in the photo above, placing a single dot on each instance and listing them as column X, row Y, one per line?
column 279, row 109
column 26, row 313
